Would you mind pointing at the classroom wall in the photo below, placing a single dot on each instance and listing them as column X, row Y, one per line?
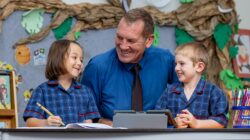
column 93, row 41
column 242, row 8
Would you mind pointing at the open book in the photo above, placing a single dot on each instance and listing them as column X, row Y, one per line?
column 88, row 126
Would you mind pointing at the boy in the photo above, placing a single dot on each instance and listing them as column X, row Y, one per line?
column 194, row 102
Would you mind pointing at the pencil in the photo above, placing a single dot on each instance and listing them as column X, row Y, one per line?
column 47, row 111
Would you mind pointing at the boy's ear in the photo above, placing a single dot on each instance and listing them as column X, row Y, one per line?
column 200, row 67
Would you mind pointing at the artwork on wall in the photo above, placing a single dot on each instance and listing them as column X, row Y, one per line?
column 5, row 95
column 242, row 60
column 8, row 104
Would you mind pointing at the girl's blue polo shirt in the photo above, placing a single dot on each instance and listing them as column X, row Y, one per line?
column 73, row 105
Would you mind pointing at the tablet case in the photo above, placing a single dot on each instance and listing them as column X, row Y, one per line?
column 132, row 119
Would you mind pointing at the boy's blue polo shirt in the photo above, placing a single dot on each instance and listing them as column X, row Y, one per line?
column 74, row 105
column 207, row 101
column 112, row 80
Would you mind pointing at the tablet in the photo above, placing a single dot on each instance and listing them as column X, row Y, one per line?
column 167, row 112
column 140, row 119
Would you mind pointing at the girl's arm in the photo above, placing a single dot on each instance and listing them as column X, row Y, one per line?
column 51, row 121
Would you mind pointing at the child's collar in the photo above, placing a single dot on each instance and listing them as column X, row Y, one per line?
column 177, row 88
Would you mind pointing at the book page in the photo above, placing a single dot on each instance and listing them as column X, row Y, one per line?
column 89, row 126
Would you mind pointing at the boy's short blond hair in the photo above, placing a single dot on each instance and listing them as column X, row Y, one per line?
column 197, row 52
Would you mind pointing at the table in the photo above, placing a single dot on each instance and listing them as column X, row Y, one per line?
column 123, row 134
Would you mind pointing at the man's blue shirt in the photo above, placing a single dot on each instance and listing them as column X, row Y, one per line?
column 112, row 80
column 74, row 105
column 207, row 101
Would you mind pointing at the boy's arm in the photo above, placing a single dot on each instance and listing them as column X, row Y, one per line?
column 206, row 124
column 196, row 123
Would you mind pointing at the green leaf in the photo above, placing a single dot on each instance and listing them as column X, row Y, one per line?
column 63, row 29
column 77, row 35
column 182, row 36
column 236, row 28
column 186, row 1
column 156, row 36
column 222, row 35
column 32, row 21
column 231, row 81
column 233, row 51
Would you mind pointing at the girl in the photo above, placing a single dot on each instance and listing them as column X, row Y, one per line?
column 62, row 95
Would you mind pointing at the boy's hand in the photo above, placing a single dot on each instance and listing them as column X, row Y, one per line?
column 181, row 122
column 189, row 118
column 54, row 121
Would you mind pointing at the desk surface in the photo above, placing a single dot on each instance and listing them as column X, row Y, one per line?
column 131, row 134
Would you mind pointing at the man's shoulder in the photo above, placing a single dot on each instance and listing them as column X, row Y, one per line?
column 160, row 52
column 106, row 56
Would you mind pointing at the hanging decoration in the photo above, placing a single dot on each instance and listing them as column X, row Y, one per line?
column 32, row 21
column 156, row 36
column 182, row 36
column 231, row 81
column 222, row 35
column 186, row 1
column 63, row 29
column 77, row 35
column 22, row 54
column 233, row 51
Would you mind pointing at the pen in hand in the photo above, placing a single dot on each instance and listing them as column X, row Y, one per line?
column 47, row 111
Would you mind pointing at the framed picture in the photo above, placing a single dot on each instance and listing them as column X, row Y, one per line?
column 8, row 103
column 242, row 61
column 5, row 96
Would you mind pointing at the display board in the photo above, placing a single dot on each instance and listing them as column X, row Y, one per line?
column 30, row 67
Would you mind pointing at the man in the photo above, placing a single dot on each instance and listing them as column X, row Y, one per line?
column 110, row 77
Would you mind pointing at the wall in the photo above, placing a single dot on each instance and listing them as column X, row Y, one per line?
column 93, row 41
column 242, row 7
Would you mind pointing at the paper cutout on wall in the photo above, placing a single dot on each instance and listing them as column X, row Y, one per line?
column 231, row 81
column 233, row 51
column 222, row 35
column 63, row 29
column 27, row 94
column 22, row 54
column 182, row 36
column 5, row 66
column 125, row 5
column 5, row 92
column 186, row 1
column 156, row 35
column 223, row 10
column 32, row 21
column 39, row 57
column 77, row 35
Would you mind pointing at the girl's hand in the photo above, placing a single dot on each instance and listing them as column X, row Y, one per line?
column 54, row 121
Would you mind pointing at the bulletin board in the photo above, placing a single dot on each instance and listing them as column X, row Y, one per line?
column 93, row 41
